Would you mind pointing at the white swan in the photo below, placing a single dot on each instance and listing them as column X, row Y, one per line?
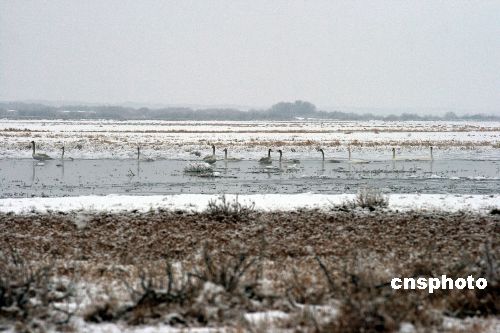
column 411, row 158
column 147, row 159
column 39, row 156
column 287, row 165
column 61, row 164
column 356, row 161
column 331, row 161
column 281, row 160
column 62, row 156
column 230, row 159
column 210, row 159
column 267, row 159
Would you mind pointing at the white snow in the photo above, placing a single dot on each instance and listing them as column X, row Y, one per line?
column 407, row 328
column 265, row 202
column 265, row 316
column 196, row 167
column 82, row 326
column 249, row 140
column 472, row 324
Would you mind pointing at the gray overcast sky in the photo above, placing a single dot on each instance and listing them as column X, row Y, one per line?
column 387, row 54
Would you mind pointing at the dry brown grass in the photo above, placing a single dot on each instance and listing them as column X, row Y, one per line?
column 194, row 270
column 370, row 198
column 232, row 210
column 30, row 294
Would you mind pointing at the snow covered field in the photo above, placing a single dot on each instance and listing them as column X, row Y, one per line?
column 247, row 140
column 265, row 202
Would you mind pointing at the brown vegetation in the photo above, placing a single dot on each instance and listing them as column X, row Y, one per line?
column 199, row 269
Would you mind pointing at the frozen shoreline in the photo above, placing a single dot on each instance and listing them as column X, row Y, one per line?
column 264, row 202
column 248, row 140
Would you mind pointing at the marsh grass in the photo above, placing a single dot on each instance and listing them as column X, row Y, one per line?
column 225, row 208
column 369, row 198
column 30, row 294
column 189, row 270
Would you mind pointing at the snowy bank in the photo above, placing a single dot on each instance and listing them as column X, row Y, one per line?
column 265, row 202
column 108, row 139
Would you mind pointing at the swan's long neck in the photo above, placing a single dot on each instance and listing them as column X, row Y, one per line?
column 138, row 152
column 349, row 150
column 281, row 155
column 269, row 153
column 62, row 154
column 393, row 153
column 33, row 146
column 432, row 157
column 213, row 151
column 225, row 154
column 322, row 154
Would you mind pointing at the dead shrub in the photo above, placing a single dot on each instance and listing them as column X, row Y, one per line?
column 159, row 296
column 478, row 302
column 303, row 288
column 29, row 293
column 156, row 296
column 370, row 198
column 212, row 292
column 232, row 209
column 225, row 270
column 370, row 306
column 102, row 312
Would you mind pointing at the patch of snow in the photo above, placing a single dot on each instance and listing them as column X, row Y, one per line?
column 198, row 167
column 407, row 328
column 329, row 310
column 263, row 202
column 82, row 326
column 470, row 324
column 265, row 316
column 81, row 221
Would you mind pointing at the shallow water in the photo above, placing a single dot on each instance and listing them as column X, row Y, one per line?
column 24, row 178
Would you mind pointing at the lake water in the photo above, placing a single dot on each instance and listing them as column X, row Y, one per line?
column 24, row 178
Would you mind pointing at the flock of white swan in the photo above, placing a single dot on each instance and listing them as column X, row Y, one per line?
column 266, row 160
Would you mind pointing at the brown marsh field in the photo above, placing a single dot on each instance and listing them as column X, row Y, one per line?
column 236, row 269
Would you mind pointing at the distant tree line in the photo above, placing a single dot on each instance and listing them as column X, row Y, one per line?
column 279, row 111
